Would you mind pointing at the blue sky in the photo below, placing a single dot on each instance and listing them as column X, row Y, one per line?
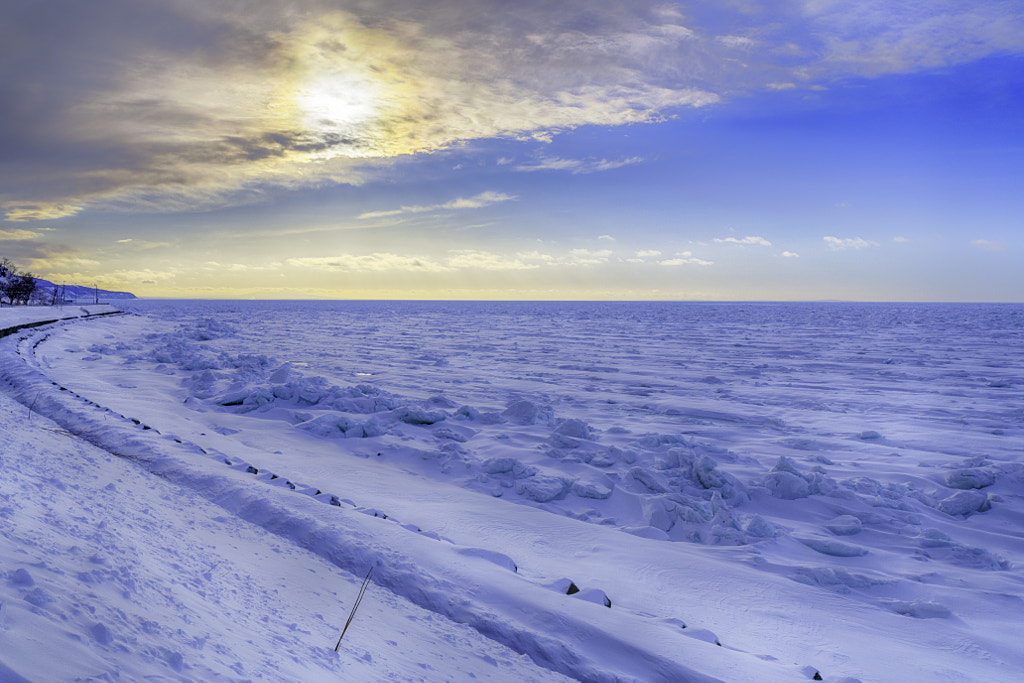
column 578, row 150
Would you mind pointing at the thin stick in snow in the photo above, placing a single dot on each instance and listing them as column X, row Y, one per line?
column 32, row 406
column 355, row 606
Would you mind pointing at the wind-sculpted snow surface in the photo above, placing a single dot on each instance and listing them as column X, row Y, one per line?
column 653, row 418
column 863, row 455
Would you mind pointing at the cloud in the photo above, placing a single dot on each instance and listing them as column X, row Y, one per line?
column 578, row 166
column 874, row 37
column 685, row 258
column 988, row 246
column 901, row 240
column 470, row 258
column 17, row 212
column 455, row 260
column 744, row 241
column 790, row 254
column 736, row 41
column 191, row 105
column 479, row 201
column 241, row 267
column 17, row 235
column 142, row 244
column 187, row 105
column 586, row 257
column 648, row 253
column 370, row 262
column 608, row 238
column 838, row 244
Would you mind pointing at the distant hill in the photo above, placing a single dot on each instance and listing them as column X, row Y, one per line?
column 80, row 293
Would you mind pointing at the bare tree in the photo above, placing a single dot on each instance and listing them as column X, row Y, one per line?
column 16, row 287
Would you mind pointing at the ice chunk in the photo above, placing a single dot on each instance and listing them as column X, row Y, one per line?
column 22, row 577
column 971, row 478
column 101, row 634
column 594, row 595
column 498, row 465
column 648, row 479
column 702, row 634
column 831, row 547
column 784, row 464
column 500, row 559
column 591, row 490
column 839, row 577
column 330, row 425
column 845, row 525
column 419, row 416
column 544, row 488
column 522, row 412
column 964, row 503
column 282, row 374
column 577, row 429
column 759, row 527
column 920, row 609
column 787, row 485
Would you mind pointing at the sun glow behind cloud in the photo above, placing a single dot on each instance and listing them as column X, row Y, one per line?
column 294, row 98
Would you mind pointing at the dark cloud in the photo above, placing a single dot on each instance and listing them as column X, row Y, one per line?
column 118, row 101
column 25, row 252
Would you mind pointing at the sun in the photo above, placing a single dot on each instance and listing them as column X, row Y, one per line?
column 344, row 88
column 339, row 106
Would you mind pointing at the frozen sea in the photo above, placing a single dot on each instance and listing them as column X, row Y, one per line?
column 613, row 491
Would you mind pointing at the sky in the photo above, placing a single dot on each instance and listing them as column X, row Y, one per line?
column 866, row 150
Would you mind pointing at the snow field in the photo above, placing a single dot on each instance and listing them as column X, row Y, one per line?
column 463, row 583
column 806, row 507
column 108, row 572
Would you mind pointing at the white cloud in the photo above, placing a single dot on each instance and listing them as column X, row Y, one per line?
column 18, row 235
column 142, row 244
column 578, row 166
column 471, row 258
column 745, row 241
column 790, row 254
column 838, row 244
column 606, row 237
column 648, row 253
column 369, row 262
column 536, row 256
column 685, row 258
column 873, row 37
column 736, row 41
column 988, row 245
column 586, row 257
column 18, row 212
column 476, row 202
column 901, row 240
column 456, row 259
